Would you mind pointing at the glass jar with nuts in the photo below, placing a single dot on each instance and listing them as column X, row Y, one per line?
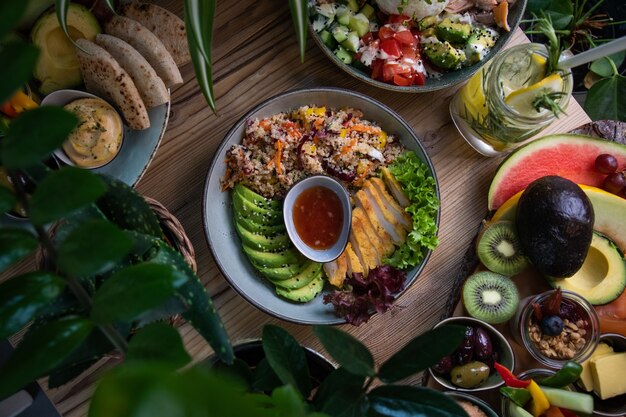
column 557, row 326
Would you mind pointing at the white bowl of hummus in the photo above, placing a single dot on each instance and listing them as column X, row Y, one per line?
column 98, row 138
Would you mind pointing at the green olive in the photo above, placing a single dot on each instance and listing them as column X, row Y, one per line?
column 470, row 375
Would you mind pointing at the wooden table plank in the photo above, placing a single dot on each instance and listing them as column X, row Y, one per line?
column 256, row 57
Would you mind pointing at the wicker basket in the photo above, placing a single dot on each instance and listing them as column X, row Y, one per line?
column 174, row 233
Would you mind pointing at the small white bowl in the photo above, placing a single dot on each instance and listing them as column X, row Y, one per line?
column 63, row 97
column 317, row 255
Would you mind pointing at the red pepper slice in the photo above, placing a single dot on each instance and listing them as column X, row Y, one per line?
column 509, row 379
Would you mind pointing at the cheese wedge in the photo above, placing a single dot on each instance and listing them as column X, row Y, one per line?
column 586, row 379
column 608, row 375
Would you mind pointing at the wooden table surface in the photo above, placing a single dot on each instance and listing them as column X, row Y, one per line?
column 256, row 57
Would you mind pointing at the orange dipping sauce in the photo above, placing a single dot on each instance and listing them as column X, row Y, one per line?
column 318, row 217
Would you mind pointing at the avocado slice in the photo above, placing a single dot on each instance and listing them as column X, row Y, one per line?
column 308, row 274
column 262, row 259
column 479, row 43
column 57, row 65
column 257, row 228
column 444, row 55
column 260, row 215
column 453, row 32
column 602, row 277
column 261, row 242
column 304, row 294
column 257, row 199
column 284, row 272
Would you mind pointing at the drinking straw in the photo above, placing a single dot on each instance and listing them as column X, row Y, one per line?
column 590, row 55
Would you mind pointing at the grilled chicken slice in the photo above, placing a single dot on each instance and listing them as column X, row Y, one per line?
column 396, row 189
column 376, row 185
column 395, row 231
column 362, row 246
column 374, row 249
column 383, row 247
column 336, row 270
column 352, row 261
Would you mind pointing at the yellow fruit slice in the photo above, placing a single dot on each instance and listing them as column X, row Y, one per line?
column 521, row 100
column 473, row 97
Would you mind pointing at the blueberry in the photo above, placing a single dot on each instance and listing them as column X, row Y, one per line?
column 552, row 325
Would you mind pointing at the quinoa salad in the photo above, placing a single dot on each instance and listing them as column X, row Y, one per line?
column 280, row 150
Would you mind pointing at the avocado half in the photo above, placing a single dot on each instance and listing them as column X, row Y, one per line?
column 602, row 277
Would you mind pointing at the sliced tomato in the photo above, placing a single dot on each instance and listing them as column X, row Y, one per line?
column 403, row 80
column 398, row 18
column 377, row 69
column 408, row 52
column 389, row 70
column 419, row 78
column 391, row 47
column 405, row 37
column 367, row 38
column 385, row 32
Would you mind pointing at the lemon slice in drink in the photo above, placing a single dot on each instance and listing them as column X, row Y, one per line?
column 521, row 100
column 473, row 97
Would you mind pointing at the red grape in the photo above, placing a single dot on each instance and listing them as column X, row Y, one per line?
column 606, row 163
column 615, row 182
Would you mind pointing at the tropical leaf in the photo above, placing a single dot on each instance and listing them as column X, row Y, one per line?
column 299, row 14
column 199, row 19
column 14, row 245
column 409, row 401
column 287, row 358
column 158, row 342
column 345, row 349
column 7, row 199
column 18, row 61
column 265, row 379
column 341, row 394
column 10, row 14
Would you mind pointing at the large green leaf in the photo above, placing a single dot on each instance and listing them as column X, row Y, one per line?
column 265, row 379
column 287, row 358
column 422, row 352
column 409, row 401
column 606, row 99
column 126, row 208
column 18, row 62
column 299, row 14
column 14, row 245
column 341, row 394
column 288, row 402
column 199, row 18
column 158, row 342
column 561, row 12
column 94, row 247
column 23, row 297
column 7, row 199
column 35, row 134
column 135, row 289
column 603, row 66
column 10, row 14
column 345, row 349
column 63, row 192
column 42, row 351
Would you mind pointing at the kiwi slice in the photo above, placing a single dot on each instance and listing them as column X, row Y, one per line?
column 499, row 249
column 490, row 297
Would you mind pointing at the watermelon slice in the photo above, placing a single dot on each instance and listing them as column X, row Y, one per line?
column 569, row 156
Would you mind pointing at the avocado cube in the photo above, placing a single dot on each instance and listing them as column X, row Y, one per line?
column 481, row 40
column 444, row 55
column 453, row 32
column 428, row 21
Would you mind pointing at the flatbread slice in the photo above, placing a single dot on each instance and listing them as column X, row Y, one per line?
column 104, row 77
column 168, row 27
column 148, row 45
column 150, row 86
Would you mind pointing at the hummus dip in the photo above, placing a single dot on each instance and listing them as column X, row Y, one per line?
column 98, row 137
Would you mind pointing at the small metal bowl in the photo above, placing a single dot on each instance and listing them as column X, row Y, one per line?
column 63, row 97
column 318, row 255
column 461, row 396
column 500, row 345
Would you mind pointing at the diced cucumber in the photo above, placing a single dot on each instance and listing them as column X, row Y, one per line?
column 352, row 5
column 319, row 23
column 573, row 401
column 343, row 15
column 343, row 55
column 368, row 11
column 328, row 39
column 360, row 24
column 517, row 411
column 352, row 42
column 340, row 33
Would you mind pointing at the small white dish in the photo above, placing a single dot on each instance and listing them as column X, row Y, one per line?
column 318, row 255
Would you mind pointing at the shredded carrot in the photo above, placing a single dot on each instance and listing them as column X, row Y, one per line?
column 265, row 125
column 500, row 15
column 346, row 148
column 365, row 129
column 280, row 145
column 358, row 180
column 318, row 123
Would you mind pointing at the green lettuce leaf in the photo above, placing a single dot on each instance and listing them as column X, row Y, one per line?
column 419, row 186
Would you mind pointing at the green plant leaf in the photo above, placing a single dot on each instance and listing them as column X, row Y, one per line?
column 111, row 5
column 299, row 14
column 561, row 12
column 288, row 402
column 200, row 311
column 42, row 351
column 603, row 67
column 409, row 401
column 341, row 394
column 127, row 208
column 345, row 349
column 158, row 342
column 23, row 297
column 135, row 289
column 239, row 369
column 606, row 99
column 10, row 14
column 265, row 379
column 35, row 134
column 199, row 19
column 422, row 352
column 287, row 358
column 7, row 199
column 64, row 191
column 93, row 248
column 62, row 376
column 14, row 245
column 18, row 61
column 535, row 6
